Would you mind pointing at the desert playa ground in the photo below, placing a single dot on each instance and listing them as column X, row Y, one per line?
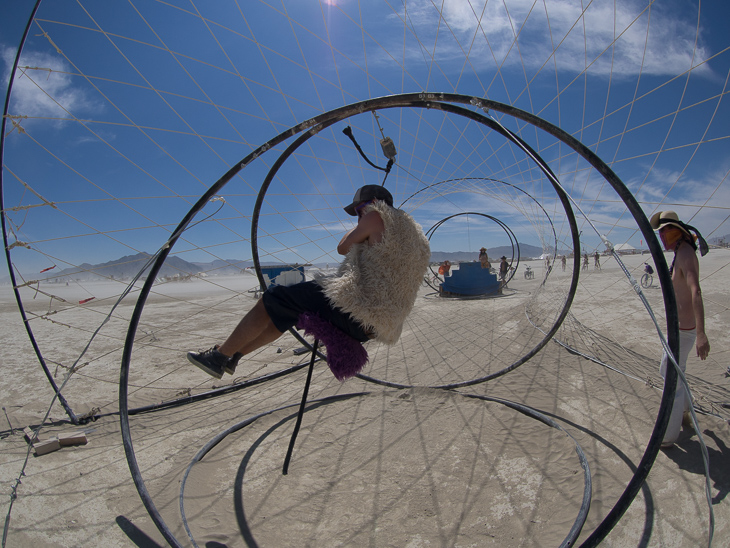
column 374, row 464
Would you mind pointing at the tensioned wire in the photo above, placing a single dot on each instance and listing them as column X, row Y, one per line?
column 118, row 109
column 206, row 25
column 632, row 103
column 245, row 162
column 241, row 239
column 160, row 96
column 430, row 457
column 670, row 357
column 98, row 187
column 661, row 85
column 155, row 328
column 688, row 72
column 584, row 341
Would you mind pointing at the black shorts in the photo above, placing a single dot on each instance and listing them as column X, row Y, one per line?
column 284, row 304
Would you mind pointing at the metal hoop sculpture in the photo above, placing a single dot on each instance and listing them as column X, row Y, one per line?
column 552, row 226
column 422, row 100
column 511, row 235
column 570, row 538
column 495, row 126
column 441, row 102
column 13, row 280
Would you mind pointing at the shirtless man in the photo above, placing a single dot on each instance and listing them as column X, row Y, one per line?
column 685, row 271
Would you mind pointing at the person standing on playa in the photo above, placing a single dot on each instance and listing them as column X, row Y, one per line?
column 375, row 288
column 677, row 236
column 596, row 261
column 563, row 261
column 503, row 269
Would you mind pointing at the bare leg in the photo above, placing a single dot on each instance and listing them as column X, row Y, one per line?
column 253, row 331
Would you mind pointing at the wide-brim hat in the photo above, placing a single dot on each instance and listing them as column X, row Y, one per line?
column 664, row 218
column 503, row 257
column 661, row 219
column 367, row 193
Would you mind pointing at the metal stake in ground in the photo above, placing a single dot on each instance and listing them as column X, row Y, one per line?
column 293, row 439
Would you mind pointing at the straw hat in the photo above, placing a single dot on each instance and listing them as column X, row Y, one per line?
column 664, row 218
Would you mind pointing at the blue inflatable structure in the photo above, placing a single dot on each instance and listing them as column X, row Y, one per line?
column 470, row 280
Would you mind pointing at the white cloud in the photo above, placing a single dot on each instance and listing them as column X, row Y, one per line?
column 44, row 89
column 610, row 36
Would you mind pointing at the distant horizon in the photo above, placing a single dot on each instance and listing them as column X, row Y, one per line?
column 115, row 130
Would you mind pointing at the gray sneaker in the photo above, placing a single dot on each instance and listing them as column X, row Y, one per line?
column 211, row 361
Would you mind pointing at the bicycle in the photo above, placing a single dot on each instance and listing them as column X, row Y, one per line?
column 529, row 274
column 647, row 279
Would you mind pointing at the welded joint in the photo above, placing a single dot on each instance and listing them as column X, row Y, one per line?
column 256, row 154
column 305, row 125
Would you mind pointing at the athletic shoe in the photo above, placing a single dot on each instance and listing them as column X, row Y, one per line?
column 211, row 361
column 231, row 364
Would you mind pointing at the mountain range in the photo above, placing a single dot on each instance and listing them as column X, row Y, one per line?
column 125, row 268
column 526, row 251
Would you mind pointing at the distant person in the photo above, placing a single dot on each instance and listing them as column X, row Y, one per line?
column 445, row 268
column 596, row 261
column 563, row 262
column 677, row 236
column 503, row 269
column 484, row 258
column 584, row 266
column 374, row 290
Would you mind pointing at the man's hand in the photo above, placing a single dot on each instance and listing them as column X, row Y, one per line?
column 703, row 346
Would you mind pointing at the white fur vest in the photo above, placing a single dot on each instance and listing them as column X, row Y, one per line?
column 377, row 284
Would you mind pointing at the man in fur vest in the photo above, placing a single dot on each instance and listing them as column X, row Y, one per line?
column 386, row 256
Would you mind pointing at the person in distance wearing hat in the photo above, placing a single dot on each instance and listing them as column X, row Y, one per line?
column 375, row 288
column 503, row 268
column 677, row 236
column 484, row 258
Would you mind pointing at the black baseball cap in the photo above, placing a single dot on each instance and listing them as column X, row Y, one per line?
column 367, row 193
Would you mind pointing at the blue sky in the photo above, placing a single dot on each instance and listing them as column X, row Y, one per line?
column 131, row 110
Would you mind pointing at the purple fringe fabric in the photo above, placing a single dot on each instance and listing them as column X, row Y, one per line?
column 345, row 356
